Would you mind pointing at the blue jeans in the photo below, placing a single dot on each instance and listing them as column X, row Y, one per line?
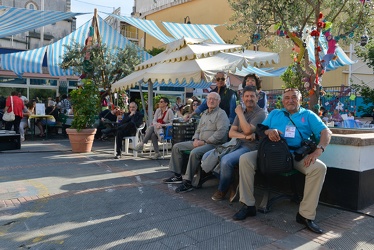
column 228, row 164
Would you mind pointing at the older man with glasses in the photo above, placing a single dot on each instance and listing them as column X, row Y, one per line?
column 212, row 130
column 228, row 98
column 294, row 124
column 130, row 122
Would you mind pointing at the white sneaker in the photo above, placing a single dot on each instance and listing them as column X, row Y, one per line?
column 139, row 147
column 156, row 156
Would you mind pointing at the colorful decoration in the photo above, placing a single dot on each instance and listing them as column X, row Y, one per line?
column 331, row 43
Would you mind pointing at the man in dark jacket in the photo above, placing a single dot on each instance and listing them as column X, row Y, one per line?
column 130, row 122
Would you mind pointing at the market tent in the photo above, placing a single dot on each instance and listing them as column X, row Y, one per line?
column 17, row 20
column 31, row 61
column 185, row 63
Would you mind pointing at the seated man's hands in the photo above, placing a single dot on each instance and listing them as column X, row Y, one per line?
column 198, row 143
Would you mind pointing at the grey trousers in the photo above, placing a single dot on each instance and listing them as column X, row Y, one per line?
column 176, row 160
column 314, row 178
column 150, row 133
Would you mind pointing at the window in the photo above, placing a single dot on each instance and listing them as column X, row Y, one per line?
column 31, row 5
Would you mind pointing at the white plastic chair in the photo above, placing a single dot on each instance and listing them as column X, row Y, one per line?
column 134, row 141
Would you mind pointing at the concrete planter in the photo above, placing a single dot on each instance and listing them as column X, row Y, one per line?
column 81, row 142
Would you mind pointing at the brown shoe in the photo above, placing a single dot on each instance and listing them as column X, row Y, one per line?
column 218, row 195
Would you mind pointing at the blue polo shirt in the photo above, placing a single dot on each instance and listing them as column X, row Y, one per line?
column 306, row 121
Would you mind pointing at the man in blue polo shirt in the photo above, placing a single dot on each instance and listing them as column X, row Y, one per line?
column 293, row 123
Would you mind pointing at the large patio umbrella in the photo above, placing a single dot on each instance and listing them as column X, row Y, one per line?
column 185, row 63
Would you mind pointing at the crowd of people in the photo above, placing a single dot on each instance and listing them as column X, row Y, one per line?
column 23, row 109
column 225, row 139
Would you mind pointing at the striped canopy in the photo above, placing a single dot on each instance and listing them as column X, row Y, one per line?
column 204, row 31
column 16, row 20
column 148, row 26
column 31, row 61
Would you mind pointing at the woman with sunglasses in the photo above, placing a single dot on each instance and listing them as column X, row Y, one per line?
column 162, row 118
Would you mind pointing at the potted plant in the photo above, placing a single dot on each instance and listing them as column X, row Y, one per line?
column 85, row 103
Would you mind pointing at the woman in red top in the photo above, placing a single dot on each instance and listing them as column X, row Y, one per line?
column 17, row 109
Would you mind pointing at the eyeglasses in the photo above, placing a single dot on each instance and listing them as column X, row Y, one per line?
column 195, row 104
column 220, row 79
column 291, row 89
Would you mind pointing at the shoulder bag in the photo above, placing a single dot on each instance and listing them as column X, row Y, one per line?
column 9, row 116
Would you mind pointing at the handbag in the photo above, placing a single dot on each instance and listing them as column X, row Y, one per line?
column 9, row 116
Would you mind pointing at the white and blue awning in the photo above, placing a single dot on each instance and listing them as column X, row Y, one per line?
column 31, row 61
column 203, row 31
column 148, row 26
column 16, row 20
column 270, row 72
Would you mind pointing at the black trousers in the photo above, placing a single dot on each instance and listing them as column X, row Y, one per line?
column 15, row 124
column 127, row 129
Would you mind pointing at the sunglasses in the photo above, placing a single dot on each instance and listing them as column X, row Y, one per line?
column 220, row 79
column 291, row 89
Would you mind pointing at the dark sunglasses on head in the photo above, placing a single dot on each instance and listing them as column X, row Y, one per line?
column 220, row 79
column 291, row 89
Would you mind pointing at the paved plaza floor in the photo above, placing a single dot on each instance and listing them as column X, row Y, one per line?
column 51, row 198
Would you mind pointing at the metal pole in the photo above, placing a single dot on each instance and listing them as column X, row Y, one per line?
column 143, row 102
column 150, row 102
column 42, row 29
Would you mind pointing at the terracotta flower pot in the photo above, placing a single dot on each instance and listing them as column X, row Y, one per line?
column 81, row 142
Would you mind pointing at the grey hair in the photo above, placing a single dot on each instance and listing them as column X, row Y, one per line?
column 218, row 97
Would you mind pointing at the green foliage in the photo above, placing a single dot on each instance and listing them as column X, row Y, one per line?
column 155, row 51
column 367, row 94
column 350, row 19
column 86, row 105
column 366, row 53
column 104, row 66
column 293, row 79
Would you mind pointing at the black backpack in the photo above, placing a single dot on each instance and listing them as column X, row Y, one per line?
column 274, row 157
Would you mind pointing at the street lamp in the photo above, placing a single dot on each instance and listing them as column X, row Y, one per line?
column 187, row 18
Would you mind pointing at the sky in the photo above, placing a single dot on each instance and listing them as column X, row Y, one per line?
column 88, row 6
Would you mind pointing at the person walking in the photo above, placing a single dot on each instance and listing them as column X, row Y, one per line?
column 15, row 104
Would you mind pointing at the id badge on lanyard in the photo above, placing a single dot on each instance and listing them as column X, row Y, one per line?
column 290, row 131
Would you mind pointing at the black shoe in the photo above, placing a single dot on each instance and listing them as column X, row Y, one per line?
column 118, row 156
column 310, row 224
column 185, row 187
column 244, row 212
column 173, row 180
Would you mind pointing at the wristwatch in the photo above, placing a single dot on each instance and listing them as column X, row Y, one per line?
column 323, row 149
